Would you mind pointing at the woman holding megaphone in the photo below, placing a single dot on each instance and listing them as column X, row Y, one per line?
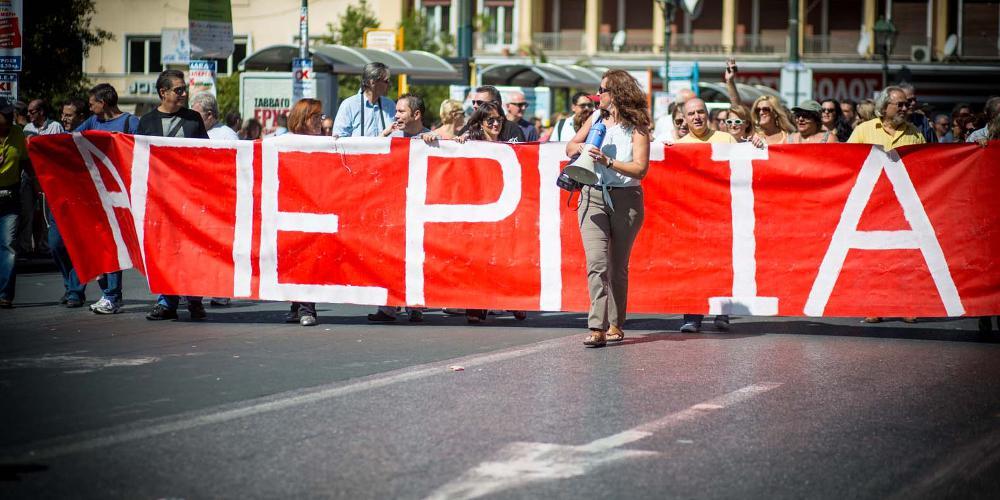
column 611, row 205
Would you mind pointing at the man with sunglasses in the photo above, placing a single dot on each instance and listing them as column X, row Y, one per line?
column 369, row 112
column 566, row 128
column 515, row 113
column 917, row 118
column 509, row 131
column 890, row 129
column 172, row 118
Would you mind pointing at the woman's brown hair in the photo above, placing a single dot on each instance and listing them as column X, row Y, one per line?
column 629, row 100
column 298, row 118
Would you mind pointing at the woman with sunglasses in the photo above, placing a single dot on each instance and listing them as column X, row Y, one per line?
column 832, row 117
column 306, row 118
column 738, row 123
column 611, row 212
column 770, row 119
column 485, row 124
column 680, row 126
column 808, row 123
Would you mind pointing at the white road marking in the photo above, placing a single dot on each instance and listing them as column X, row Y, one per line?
column 71, row 361
column 92, row 440
column 520, row 463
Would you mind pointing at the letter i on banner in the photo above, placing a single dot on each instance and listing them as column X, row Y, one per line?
column 920, row 237
column 744, row 299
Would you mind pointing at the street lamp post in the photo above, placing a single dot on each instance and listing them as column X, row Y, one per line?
column 885, row 35
column 668, row 20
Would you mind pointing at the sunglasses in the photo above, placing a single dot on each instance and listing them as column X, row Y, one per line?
column 492, row 120
column 678, row 122
column 802, row 116
column 587, row 104
column 521, row 105
column 602, row 90
column 901, row 104
column 183, row 89
column 829, row 110
column 734, row 122
column 764, row 110
column 478, row 103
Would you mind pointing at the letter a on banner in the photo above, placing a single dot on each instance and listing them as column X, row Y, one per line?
column 920, row 237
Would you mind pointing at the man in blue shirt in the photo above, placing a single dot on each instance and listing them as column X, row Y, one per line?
column 106, row 116
column 369, row 112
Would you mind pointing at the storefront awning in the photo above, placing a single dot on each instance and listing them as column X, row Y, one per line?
column 342, row 60
column 542, row 75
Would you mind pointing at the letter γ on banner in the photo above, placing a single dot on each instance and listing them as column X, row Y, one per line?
column 846, row 236
column 273, row 220
column 744, row 299
column 110, row 200
column 419, row 212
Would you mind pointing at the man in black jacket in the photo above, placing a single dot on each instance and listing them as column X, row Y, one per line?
column 173, row 119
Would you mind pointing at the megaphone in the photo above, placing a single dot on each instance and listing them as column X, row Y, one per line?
column 582, row 168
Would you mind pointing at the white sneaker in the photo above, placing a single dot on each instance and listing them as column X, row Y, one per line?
column 105, row 306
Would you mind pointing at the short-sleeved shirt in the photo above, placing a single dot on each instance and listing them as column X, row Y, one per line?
column 50, row 127
column 13, row 150
column 976, row 135
column 713, row 136
column 872, row 132
column 356, row 109
column 220, row 131
column 125, row 122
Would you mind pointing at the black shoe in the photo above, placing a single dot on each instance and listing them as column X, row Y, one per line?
column 73, row 303
column 691, row 327
column 197, row 310
column 416, row 316
column 160, row 313
column 64, row 299
column 381, row 317
column 722, row 323
column 984, row 324
column 6, row 304
column 292, row 317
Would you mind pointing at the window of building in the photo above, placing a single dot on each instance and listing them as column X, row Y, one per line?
column 437, row 13
column 143, row 56
column 500, row 22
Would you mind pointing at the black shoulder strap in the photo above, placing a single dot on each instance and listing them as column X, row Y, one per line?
column 176, row 127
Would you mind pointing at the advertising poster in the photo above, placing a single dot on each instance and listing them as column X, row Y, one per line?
column 11, row 28
column 8, row 86
column 210, row 28
column 303, row 83
column 201, row 77
column 175, row 47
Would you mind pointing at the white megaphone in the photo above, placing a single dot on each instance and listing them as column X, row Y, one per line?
column 582, row 169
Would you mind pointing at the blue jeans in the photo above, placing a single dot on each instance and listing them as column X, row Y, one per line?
column 172, row 301
column 74, row 289
column 8, row 230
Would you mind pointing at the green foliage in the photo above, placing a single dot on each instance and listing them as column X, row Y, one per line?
column 350, row 31
column 227, row 91
column 417, row 36
column 57, row 35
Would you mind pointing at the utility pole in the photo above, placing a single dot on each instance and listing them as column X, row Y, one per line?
column 465, row 37
column 668, row 20
column 793, row 46
column 304, row 30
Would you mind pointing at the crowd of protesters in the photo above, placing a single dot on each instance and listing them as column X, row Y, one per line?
column 895, row 117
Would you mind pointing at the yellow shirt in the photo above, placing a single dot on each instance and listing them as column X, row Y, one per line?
column 714, row 136
column 13, row 150
column 872, row 132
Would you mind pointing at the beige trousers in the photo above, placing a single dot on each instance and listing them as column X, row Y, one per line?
column 608, row 236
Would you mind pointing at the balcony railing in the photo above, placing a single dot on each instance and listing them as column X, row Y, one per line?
column 565, row 41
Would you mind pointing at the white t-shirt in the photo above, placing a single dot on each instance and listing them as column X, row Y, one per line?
column 618, row 145
column 564, row 134
column 220, row 131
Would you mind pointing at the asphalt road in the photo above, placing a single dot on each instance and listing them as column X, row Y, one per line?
column 244, row 406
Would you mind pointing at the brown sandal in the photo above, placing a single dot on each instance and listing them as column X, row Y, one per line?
column 596, row 338
column 615, row 334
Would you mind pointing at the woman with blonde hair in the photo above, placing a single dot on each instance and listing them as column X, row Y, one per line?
column 611, row 211
column 770, row 119
column 866, row 110
column 452, row 119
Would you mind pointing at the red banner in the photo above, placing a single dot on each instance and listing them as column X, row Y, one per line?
column 834, row 230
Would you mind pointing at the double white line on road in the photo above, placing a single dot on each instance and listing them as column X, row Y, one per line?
column 91, row 440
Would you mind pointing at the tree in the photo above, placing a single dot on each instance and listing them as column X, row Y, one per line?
column 349, row 31
column 57, row 35
column 227, row 89
column 416, row 36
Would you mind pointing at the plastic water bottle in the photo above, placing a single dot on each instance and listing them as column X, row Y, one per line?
column 596, row 136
